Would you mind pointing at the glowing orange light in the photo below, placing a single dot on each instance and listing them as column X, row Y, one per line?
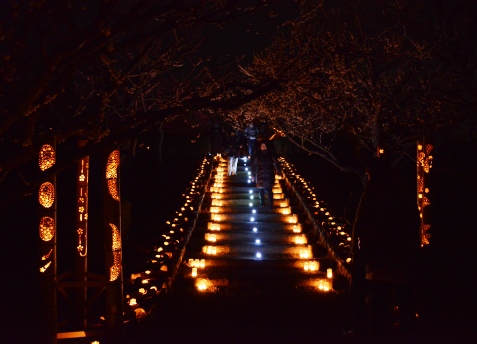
column 112, row 174
column 47, row 157
column 47, row 228
column 46, row 194
column 115, row 269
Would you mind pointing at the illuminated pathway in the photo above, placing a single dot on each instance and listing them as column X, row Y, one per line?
column 242, row 239
column 250, row 275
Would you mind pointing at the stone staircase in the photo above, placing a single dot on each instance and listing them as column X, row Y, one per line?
column 238, row 246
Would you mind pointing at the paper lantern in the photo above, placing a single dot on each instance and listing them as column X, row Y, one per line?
column 47, row 157
column 216, row 202
column 296, row 228
column 311, row 266
column 210, row 237
column 140, row 313
column 46, row 195
column 47, row 228
column 115, row 269
column 112, row 174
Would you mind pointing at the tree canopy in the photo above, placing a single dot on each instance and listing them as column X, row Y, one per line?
column 105, row 71
column 340, row 78
column 356, row 76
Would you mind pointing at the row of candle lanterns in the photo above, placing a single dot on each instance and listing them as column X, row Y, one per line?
column 203, row 284
column 312, row 266
column 333, row 228
column 151, row 282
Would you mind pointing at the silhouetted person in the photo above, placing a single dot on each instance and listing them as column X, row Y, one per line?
column 264, row 167
column 232, row 146
column 251, row 134
column 386, row 242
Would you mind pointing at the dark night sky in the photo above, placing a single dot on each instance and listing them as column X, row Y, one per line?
column 250, row 34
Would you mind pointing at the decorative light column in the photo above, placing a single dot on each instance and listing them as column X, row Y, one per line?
column 82, row 178
column 424, row 165
column 47, row 233
column 112, row 242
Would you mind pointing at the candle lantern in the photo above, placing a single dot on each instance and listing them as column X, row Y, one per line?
column 213, row 226
column 210, row 237
column 324, row 285
column 424, row 165
column 216, row 217
column 112, row 237
column 47, row 207
column 297, row 228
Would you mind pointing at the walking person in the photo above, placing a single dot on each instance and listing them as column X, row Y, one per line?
column 264, row 167
column 386, row 242
column 232, row 147
column 251, row 134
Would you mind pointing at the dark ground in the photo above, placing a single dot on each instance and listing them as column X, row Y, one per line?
column 447, row 283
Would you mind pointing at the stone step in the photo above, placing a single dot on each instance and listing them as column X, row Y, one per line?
column 316, row 265
column 259, row 273
column 246, row 203
column 230, row 188
column 245, row 194
column 249, row 226
column 265, row 237
column 250, row 251
column 266, row 216
column 247, row 209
